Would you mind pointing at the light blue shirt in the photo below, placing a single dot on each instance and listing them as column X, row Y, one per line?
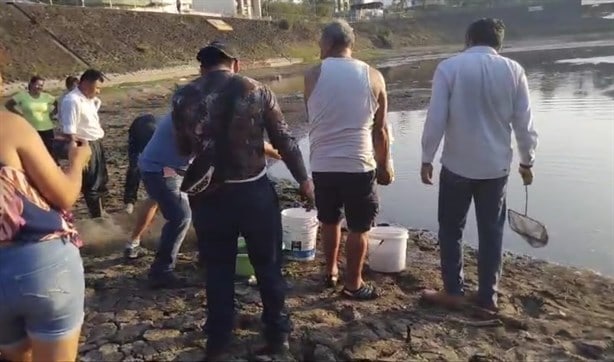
column 161, row 151
column 478, row 98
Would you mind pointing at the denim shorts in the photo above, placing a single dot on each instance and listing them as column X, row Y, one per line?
column 42, row 291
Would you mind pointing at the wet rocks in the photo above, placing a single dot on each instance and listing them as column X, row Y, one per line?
column 104, row 331
column 131, row 332
column 323, row 353
column 106, row 352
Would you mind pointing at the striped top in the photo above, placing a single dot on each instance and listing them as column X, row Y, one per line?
column 25, row 216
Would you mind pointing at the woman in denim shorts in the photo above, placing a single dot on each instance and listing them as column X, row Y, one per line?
column 41, row 273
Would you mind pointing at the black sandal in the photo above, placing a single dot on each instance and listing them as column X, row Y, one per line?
column 331, row 281
column 365, row 292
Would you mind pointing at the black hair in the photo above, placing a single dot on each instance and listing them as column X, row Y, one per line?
column 486, row 31
column 92, row 75
column 210, row 57
column 70, row 80
column 35, row 78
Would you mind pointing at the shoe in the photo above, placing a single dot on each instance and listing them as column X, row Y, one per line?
column 444, row 299
column 279, row 348
column 129, row 208
column 132, row 253
column 167, row 280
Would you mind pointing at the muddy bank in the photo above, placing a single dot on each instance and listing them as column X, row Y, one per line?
column 549, row 312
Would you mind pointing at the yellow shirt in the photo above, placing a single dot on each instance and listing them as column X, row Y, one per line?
column 36, row 110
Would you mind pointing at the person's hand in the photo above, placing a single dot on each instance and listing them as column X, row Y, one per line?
column 79, row 153
column 527, row 174
column 307, row 192
column 426, row 173
column 384, row 175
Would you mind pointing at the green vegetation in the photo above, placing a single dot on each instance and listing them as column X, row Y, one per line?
column 309, row 9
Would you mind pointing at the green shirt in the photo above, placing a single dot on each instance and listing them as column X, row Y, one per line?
column 36, row 110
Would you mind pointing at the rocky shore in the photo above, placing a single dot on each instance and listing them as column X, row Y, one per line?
column 549, row 312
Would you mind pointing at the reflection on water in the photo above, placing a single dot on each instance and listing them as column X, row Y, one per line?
column 573, row 193
column 594, row 60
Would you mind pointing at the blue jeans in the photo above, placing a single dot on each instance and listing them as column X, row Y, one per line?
column 455, row 195
column 42, row 289
column 252, row 210
column 175, row 208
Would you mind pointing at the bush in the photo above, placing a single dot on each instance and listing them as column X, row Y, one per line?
column 284, row 24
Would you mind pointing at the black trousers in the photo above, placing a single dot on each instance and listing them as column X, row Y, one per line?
column 133, row 180
column 95, row 178
column 47, row 137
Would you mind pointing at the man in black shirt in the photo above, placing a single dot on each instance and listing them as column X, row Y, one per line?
column 235, row 111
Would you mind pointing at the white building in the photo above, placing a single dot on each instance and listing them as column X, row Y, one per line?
column 245, row 8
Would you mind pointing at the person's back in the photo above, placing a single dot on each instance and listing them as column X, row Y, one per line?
column 483, row 91
column 341, row 108
column 478, row 98
column 161, row 150
column 140, row 132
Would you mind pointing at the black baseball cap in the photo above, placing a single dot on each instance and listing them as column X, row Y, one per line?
column 215, row 48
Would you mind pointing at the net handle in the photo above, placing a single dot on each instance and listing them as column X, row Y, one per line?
column 526, row 199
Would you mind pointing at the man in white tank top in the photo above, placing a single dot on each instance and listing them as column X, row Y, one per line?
column 346, row 105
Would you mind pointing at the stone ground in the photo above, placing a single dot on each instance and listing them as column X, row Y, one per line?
column 549, row 312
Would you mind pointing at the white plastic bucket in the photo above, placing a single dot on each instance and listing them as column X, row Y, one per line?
column 300, row 231
column 387, row 249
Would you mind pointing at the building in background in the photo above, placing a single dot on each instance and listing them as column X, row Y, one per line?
column 244, row 8
column 366, row 9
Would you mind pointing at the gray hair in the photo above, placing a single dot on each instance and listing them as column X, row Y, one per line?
column 339, row 34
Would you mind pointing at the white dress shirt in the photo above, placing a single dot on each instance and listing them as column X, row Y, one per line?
column 79, row 116
column 478, row 98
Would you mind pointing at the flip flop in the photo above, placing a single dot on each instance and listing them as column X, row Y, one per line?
column 365, row 292
column 331, row 281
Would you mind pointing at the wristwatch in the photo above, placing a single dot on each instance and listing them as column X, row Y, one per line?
column 526, row 166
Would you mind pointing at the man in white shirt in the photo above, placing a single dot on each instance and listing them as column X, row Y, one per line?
column 80, row 121
column 478, row 98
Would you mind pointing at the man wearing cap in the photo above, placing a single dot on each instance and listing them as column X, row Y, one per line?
column 235, row 111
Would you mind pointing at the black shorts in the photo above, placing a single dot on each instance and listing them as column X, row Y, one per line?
column 355, row 192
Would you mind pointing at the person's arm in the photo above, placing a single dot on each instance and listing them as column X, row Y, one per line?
column 280, row 137
column 381, row 140
column 70, row 117
column 309, row 82
column 435, row 125
column 436, row 117
column 271, row 152
column 54, row 109
column 11, row 106
column 60, row 188
column 523, row 125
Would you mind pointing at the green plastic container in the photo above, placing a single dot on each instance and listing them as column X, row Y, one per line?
column 243, row 268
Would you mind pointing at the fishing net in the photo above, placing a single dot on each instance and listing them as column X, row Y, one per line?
column 531, row 230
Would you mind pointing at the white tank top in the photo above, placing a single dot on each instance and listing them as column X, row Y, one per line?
column 341, row 110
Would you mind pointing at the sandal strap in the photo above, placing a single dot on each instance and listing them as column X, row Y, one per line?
column 331, row 280
column 365, row 292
